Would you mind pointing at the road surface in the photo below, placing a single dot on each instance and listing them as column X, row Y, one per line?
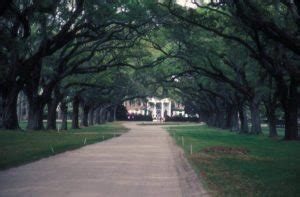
column 143, row 162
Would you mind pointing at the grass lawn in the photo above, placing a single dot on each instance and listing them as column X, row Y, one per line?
column 150, row 123
column 255, row 166
column 19, row 147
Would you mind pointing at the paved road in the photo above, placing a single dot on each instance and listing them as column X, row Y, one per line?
column 143, row 162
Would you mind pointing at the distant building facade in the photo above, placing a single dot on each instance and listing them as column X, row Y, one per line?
column 157, row 108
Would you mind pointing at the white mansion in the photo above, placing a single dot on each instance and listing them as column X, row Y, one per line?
column 157, row 108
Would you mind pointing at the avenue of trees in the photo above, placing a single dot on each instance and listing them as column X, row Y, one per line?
column 53, row 52
column 240, row 56
column 233, row 62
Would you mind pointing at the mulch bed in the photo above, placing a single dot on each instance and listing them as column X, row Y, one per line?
column 226, row 150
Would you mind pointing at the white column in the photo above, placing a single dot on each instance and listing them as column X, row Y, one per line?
column 162, row 110
column 154, row 110
column 170, row 110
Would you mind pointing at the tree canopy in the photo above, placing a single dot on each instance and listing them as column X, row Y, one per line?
column 231, row 62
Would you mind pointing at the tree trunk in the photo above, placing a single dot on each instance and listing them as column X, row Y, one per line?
column 288, row 99
column 64, row 116
column 26, row 110
column 244, row 128
column 1, row 112
column 103, row 115
column 291, row 112
column 218, row 119
column 209, row 118
column 229, row 117
column 52, row 107
column 36, row 101
column 95, row 115
column 255, row 117
column 8, row 114
column 200, row 118
column 205, row 117
column 91, row 116
column 19, row 107
column 52, row 114
column 75, row 113
column 115, row 113
column 235, row 122
column 97, row 118
column 108, row 114
column 270, row 113
column 85, row 114
column 35, row 119
column 231, row 121
column 272, row 125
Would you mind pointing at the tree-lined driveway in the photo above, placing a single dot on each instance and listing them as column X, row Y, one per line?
column 142, row 162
